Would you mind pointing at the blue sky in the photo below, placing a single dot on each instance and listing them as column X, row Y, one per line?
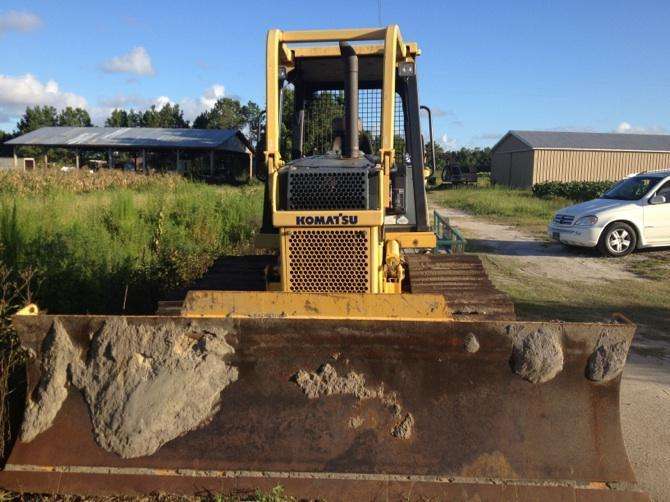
column 486, row 67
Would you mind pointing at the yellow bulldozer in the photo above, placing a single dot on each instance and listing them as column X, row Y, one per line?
column 349, row 361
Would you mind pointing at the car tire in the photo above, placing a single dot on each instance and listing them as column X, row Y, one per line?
column 617, row 240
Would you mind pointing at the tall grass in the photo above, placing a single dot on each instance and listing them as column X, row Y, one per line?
column 119, row 250
column 502, row 203
column 49, row 181
column 15, row 291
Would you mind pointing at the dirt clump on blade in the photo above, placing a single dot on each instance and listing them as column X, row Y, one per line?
column 144, row 384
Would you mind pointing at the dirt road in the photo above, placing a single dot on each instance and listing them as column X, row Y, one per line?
column 515, row 257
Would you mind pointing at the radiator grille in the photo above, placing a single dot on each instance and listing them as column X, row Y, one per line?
column 564, row 219
column 328, row 190
column 329, row 261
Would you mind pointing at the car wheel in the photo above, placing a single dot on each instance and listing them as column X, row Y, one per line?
column 619, row 239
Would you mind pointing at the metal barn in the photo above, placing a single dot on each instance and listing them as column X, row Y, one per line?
column 216, row 152
column 524, row 158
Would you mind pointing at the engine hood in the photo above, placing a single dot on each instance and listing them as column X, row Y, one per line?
column 596, row 206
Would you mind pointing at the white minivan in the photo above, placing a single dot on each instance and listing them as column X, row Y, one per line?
column 634, row 213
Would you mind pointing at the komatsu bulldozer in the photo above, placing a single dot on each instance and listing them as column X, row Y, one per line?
column 349, row 361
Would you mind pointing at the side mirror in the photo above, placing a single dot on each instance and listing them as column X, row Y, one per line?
column 657, row 199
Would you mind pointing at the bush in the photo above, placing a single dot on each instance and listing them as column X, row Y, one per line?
column 575, row 190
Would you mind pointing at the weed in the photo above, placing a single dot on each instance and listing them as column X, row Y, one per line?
column 15, row 292
column 503, row 204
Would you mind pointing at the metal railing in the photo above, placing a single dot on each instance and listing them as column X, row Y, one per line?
column 449, row 239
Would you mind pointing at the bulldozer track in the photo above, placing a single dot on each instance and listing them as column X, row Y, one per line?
column 461, row 279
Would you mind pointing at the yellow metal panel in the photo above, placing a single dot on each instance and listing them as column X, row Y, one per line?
column 270, row 304
column 411, row 49
column 285, row 53
column 272, row 155
column 413, row 239
column 348, row 253
column 388, row 98
column 368, row 218
column 333, row 35
column 376, row 269
column 334, row 51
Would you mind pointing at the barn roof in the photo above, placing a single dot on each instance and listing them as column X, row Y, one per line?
column 591, row 140
column 134, row 137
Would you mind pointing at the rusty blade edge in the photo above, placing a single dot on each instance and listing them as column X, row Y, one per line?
column 344, row 476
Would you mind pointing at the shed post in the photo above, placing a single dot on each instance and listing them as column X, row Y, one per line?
column 110, row 159
column 251, row 165
column 46, row 160
column 177, row 168
column 211, row 162
column 144, row 160
column 76, row 158
column 16, row 159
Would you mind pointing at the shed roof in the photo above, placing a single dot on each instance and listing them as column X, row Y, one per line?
column 591, row 140
column 134, row 137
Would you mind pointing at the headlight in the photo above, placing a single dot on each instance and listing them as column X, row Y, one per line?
column 587, row 221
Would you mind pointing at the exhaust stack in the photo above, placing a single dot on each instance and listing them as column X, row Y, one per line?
column 350, row 147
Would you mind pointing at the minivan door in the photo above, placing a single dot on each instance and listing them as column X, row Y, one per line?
column 657, row 218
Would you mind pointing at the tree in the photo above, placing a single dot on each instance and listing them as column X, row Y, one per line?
column 285, row 135
column 150, row 117
column 36, row 117
column 118, row 118
column 135, row 118
column 171, row 116
column 168, row 116
column 75, row 117
column 5, row 150
column 252, row 114
column 473, row 157
column 440, row 156
column 225, row 114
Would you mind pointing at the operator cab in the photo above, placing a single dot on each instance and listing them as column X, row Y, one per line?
column 331, row 136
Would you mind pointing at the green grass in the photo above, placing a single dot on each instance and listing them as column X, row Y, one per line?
column 501, row 204
column 93, row 250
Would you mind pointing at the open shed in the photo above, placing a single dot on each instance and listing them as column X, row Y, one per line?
column 217, row 151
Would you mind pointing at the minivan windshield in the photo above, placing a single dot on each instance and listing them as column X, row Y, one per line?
column 631, row 188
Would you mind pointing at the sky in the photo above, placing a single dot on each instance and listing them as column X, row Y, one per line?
column 486, row 66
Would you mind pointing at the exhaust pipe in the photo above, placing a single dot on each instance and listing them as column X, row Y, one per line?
column 350, row 148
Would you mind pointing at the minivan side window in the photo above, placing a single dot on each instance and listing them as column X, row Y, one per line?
column 665, row 191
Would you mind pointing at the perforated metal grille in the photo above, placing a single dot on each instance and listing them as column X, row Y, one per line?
column 329, row 261
column 324, row 106
column 328, row 190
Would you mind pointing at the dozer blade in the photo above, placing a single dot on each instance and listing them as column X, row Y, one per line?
column 332, row 409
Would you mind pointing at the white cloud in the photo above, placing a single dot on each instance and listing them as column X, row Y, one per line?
column 194, row 107
column 16, row 93
column 137, row 62
column 161, row 101
column 18, row 21
column 627, row 128
column 448, row 143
